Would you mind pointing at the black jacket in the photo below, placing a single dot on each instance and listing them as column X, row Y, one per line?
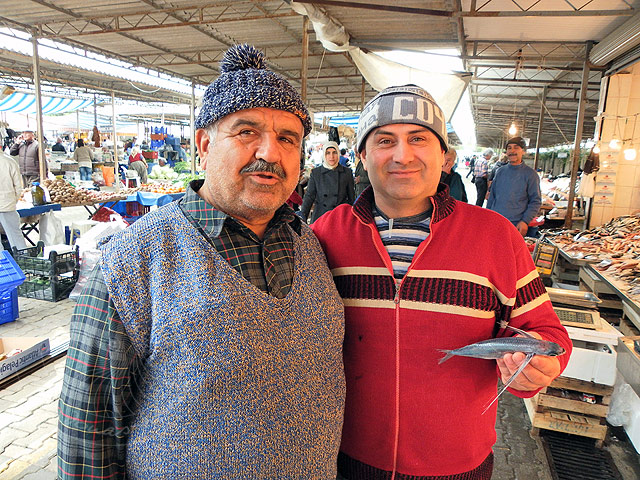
column 327, row 189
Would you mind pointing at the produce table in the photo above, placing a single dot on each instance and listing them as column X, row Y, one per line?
column 30, row 218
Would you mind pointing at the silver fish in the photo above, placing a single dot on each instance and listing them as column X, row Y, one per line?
column 496, row 348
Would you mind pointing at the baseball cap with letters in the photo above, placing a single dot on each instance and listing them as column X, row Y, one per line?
column 402, row 104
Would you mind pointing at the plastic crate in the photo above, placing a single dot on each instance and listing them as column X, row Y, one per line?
column 10, row 274
column 51, row 289
column 9, row 306
column 30, row 262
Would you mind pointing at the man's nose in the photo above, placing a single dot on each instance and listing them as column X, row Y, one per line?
column 268, row 148
column 402, row 152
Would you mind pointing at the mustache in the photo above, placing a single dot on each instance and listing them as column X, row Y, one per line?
column 260, row 165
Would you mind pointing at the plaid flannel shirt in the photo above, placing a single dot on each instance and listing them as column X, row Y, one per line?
column 481, row 167
column 97, row 399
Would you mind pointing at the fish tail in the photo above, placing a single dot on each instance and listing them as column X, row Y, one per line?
column 446, row 357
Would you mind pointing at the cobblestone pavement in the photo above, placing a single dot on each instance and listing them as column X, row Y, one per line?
column 28, row 414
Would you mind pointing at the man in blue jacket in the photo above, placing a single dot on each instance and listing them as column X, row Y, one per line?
column 515, row 191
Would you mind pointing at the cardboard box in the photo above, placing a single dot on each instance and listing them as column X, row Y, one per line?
column 33, row 349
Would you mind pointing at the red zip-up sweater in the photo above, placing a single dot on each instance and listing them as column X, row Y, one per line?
column 404, row 412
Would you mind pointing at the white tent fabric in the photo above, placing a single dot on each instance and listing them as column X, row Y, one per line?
column 446, row 89
column 19, row 102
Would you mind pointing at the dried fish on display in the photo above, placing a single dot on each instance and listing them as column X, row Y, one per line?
column 616, row 245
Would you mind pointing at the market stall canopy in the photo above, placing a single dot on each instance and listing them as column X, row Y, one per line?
column 512, row 48
column 19, row 102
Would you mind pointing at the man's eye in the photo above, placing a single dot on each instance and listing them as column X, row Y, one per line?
column 286, row 140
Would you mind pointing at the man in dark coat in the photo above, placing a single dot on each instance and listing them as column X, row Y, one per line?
column 26, row 149
column 329, row 185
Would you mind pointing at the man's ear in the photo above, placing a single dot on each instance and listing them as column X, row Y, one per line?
column 363, row 159
column 202, row 144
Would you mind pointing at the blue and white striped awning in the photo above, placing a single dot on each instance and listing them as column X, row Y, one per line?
column 19, row 102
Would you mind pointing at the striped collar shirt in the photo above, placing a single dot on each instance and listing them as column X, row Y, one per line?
column 401, row 237
column 268, row 263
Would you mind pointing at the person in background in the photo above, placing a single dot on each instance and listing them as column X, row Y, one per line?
column 329, row 185
column 139, row 164
column 344, row 160
column 59, row 146
column 26, row 149
column 361, row 176
column 515, row 192
column 480, row 174
column 452, row 178
column 472, row 163
column 207, row 344
column 407, row 297
column 504, row 160
column 182, row 152
column 83, row 154
column 10, row 190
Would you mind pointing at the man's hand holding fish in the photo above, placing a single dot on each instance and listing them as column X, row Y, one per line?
column 538, row 374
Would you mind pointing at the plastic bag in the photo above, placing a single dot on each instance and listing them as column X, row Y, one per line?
column 51, row 229
column 88, row 261
column 621, row 407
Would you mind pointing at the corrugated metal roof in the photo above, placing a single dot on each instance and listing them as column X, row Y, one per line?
column 514, row 49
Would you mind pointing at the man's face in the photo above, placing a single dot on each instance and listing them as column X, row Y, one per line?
column 331, row 156
column 487, row 156
column 28, row 136
column 515, row 153
column 265, row 140
column 404, row 162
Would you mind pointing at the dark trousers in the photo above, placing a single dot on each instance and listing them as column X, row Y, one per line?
column 481, row 188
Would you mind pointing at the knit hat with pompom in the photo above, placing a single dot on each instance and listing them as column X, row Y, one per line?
column 246, row 82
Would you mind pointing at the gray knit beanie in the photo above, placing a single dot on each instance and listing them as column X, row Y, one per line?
column 404, row 104
column 246, row 82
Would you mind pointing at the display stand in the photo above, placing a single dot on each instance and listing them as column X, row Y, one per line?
column 30, row 218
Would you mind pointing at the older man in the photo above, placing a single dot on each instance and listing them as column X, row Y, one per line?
column 208, row 343
column 26, row 149
column 10, row 190
column 408, row 295
column 515, row 190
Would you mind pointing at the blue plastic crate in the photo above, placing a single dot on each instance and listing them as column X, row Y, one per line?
column 10, row 273
column 9, row 306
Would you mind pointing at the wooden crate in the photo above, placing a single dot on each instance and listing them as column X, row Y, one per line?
column 550, row 411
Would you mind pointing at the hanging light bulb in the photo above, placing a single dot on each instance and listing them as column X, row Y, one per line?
column 615, row 144
column 630, row 153
column 512, row 129
column 596, row 149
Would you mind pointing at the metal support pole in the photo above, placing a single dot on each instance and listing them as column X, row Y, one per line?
column 540, row 122
column 568, row 220
column 77, row 124
column 116, row 165
column 192, row 123
column 305, row 57
column 42, row 158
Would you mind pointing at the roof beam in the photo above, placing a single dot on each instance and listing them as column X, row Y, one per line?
column 475, row 13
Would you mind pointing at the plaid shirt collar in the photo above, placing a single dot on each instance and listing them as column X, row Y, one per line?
column 211, row 220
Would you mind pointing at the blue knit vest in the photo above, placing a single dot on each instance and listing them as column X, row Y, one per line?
column 236, row 383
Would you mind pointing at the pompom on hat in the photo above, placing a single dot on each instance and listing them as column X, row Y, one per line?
column 403, row 104
column 246, row 82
